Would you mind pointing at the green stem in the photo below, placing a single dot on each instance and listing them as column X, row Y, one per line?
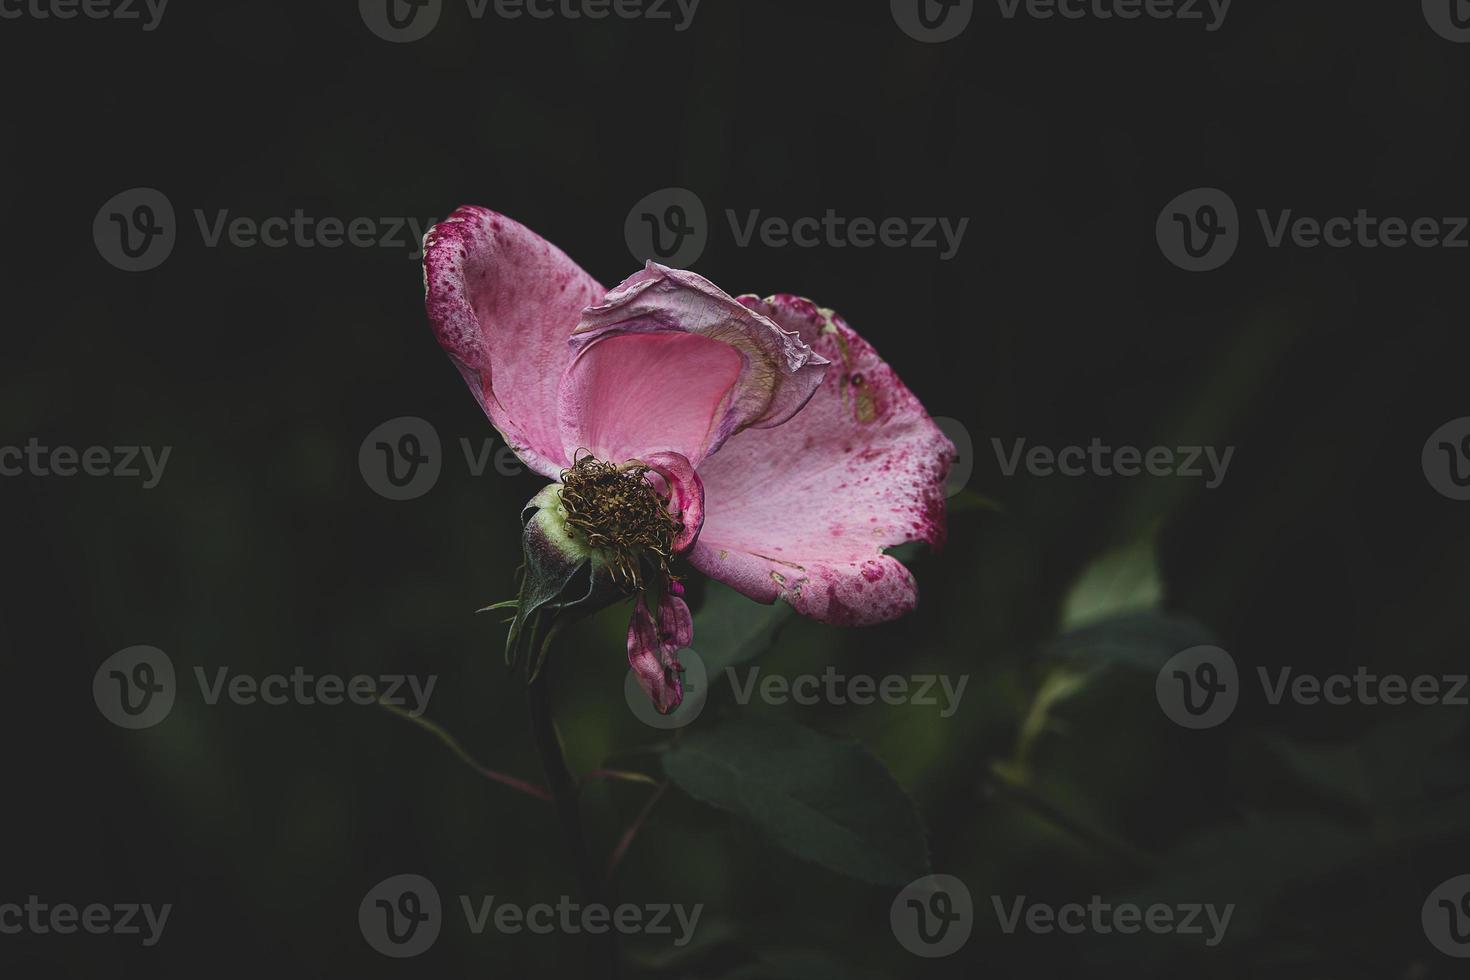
column 563, row 786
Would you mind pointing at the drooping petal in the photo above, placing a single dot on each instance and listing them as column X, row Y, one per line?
column 652, row 649
column 503, row 302
column 668, row 361
column 685, row 492
column 803, row 511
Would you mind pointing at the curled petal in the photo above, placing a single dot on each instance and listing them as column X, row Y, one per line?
column 803, row 512
column 668, row 361
column 503, row 302
column 685, row 492
column 652, row 649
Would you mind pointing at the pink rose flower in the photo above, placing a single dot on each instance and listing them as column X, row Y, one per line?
column 762, row 440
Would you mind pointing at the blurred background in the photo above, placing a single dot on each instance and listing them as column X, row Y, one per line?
column 263, row 548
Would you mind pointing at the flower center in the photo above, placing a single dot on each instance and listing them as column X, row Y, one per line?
column 619, row 513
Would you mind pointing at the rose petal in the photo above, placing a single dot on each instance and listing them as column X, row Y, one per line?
column 803, row 511
column 503, row 302
column 668, row 361
column 652, row 648
column 685, row 492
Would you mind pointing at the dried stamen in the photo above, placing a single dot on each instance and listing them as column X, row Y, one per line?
column 619, row 513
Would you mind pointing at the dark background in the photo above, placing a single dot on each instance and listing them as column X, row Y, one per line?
column 263, row 548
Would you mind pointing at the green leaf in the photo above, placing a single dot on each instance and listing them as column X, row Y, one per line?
column 1123, row 580
column 1137, row 640
column 822, row 798
column 730, row 629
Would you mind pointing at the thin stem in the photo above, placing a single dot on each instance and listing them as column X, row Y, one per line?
column 520, row 785
column 623, row 775
column 564, row 788
column 633, row 828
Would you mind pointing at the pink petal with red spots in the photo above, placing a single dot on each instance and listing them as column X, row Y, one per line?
column 503, row 302
column 803, row 511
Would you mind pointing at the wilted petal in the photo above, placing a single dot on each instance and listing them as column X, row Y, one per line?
column 652, row 649
column 668, row 361
column 803, row 511
column 685, row 492
column 503, row 302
